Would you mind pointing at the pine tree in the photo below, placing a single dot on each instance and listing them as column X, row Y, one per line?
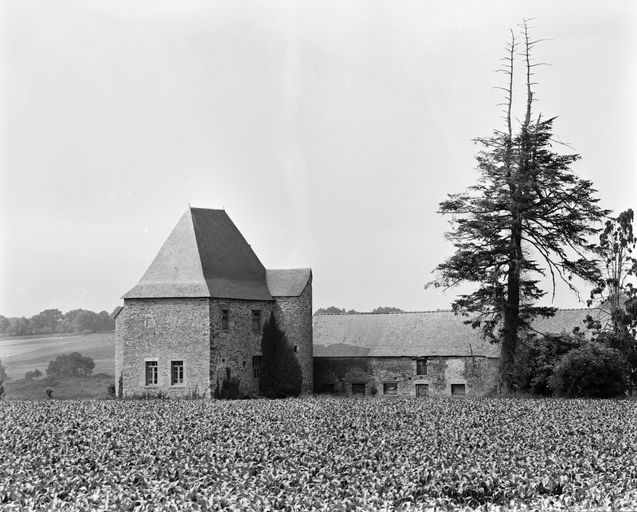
column 528, row 216
column 280, row 370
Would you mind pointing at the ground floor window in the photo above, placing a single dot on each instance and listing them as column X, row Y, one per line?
column 422, row 389
column 457, row 389
column 151, row 373
column 176, row 372
column 358, row 388
column 390, row 388
column 327, row 388
column 256, row 366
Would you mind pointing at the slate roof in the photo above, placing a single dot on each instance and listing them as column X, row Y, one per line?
column 421, row 334
column 204, row 256
column 287, row 282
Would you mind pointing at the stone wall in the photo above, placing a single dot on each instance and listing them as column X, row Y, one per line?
column 295, row 318
column 232, row 349
column 164, row 330
column 477, row 374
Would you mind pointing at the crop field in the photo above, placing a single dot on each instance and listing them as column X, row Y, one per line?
column 24, row 354
column 319, row 454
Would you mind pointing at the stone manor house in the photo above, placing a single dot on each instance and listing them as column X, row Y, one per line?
column 196, row 316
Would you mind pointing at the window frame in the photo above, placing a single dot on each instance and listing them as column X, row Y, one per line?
column 177, row 364
column 358, row 384
column 457, row 386
column 225, row 319
column 421, row 366
column 256, row 320
column 387, row 386
column 422, row 385
column 151, row 369
column 256, row 366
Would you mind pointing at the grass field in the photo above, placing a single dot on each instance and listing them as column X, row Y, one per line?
column 319, row 454
column 20, row 355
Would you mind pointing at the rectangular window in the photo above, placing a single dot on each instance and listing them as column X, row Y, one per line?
column 457, row 389
column 225, row 319
column 421, row 366
column 176, row 372
column 358, row 388
column 256, row 366
column 256, row 320
column 151, row 373
column 390, row 388
column 422, row 389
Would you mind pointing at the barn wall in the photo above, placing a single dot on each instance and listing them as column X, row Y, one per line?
column 233, row 349
column 477, row 374
column 295, row 318
column 163, row 330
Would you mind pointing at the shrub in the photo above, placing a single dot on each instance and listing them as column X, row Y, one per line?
column 110, row 391
column 280, row 370
column 35, row 374
column 229, row 389
column 592, row 370
column 3, row 372
column 536, row 360
column 70, row 365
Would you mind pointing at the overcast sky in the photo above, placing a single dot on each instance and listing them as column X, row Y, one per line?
column 329, row 131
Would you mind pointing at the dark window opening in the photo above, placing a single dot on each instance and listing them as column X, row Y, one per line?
column 225, row 319
column 421, row 366
column 296, row 349
column 327, row 388
column 256, row 366
column 151, row 373
column 358, row 388
column 457, row 389
column 422, row 389
column 390, row 388
column 176, row 372
column 256, row 320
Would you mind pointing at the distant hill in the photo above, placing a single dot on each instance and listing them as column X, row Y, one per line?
column 20, row 355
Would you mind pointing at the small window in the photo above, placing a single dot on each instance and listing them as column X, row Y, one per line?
column 151, row 373
column 457, row 389
column 225, row 319
column 390, row 388
column 421, row 366
column 256, row 320
column 327, row 388
column 176, row 373
column 422, row 389
column 358, row 388
column 296, row 349
column 256, row 366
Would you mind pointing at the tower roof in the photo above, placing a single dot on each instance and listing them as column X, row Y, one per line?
column 205, row 255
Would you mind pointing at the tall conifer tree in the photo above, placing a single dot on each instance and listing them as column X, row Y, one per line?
column 528, row 216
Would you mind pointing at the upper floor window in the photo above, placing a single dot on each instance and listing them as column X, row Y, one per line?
column 225, row 319
column 421, row 366
column 256, row 320
column 176, row 372
column 151, row 373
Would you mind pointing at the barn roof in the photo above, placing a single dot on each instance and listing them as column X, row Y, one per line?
column 421, row 334
column 287, row 282
column 204, row 256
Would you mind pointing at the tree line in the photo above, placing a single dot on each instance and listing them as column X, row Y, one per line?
column 333, row 310
column 52, row 321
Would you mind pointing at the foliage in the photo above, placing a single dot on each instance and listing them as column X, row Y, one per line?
column 35, row 374
column 229, row 388
column 53, row 321
column 70, row 365
column 280, row 370
column 614, row 319
column 386, row 309
column 319, row 454
column 110, row 390
column 593, row 370
column 3, row 371
column 529, row 215
column 536, row 360
column 333, row 310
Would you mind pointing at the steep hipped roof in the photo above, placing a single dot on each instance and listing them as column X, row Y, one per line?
column 287, row 282
column 204, row 256
column 433, row 333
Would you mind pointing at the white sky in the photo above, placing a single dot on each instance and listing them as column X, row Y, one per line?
column 329, row 131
